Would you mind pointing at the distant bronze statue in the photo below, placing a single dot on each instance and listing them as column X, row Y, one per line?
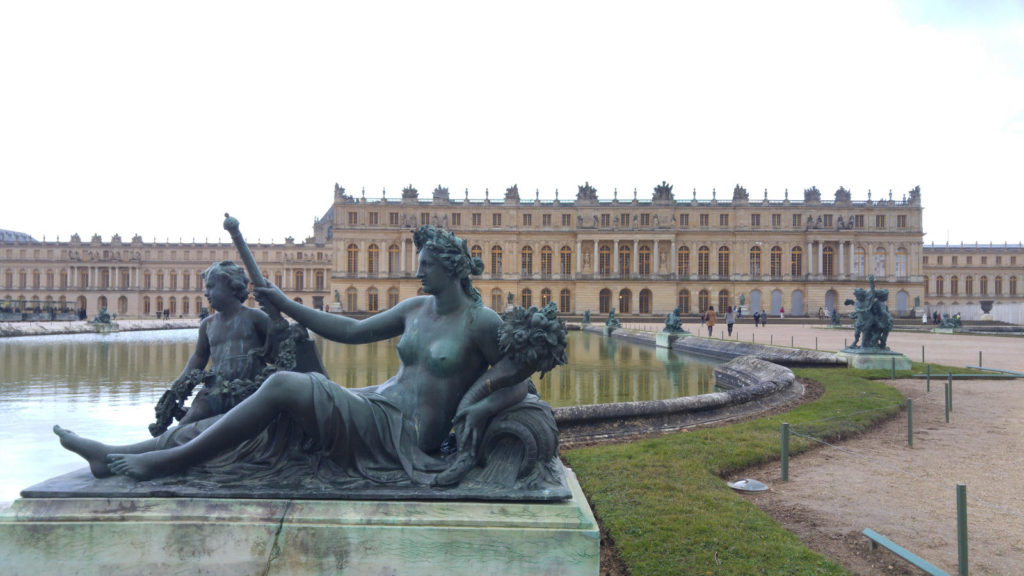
column 612, row 321
column 102, row 317
column 586, row 316
column 673, row 322
column 871, row 318
column 451, row 348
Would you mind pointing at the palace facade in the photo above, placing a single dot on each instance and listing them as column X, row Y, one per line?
column 639, row 256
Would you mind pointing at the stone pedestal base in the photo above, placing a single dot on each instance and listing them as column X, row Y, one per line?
column 607, row 330
column 336, row 308
column 987, row 318
column 875, row 361
column 106, row 536
column 665, row 339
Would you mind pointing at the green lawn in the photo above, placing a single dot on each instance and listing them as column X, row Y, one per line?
column 664, row 502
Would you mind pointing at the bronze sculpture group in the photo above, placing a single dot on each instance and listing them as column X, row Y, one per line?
column 460, row 409
column 872, row 321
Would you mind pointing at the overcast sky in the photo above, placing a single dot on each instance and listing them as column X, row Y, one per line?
column 155, row 118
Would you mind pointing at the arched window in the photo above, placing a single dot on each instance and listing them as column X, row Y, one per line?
column 199, row 304
column 392, row 297
column 564, row 301
column 496, row 254
column 496, row 303
column 496, row 259
column 184, row 305
column 101, row 302
column 828, row 256
column 526, row 298
column 983, row 285
column 723, row 300
column 527, row 268
column 319, row 279
column 703, row 301
column 704, row 261
column 939, row 288
column 159, row 304
column 954, row 286
column 372, row 303
column 776, row 263
column 684, row 301
column 969, row 285
column 625, row 301
column 1013, row 285
column 393, row 256
column 122, row 305
column 476, row 252
column 352, row 299
column 755, row 261
column 723, row 261
column 172, row 305
column 159, row 281
column 373, row 260
column 352, row 264
column 299, row 280
column 927, row 287
column 645, row 301
column 565, row 260
column 879, row 262
column 859, row 257
column 145, row 306
column 546, row 254
column 545, row 297
column 644, row 260
column 625, row 259
column 797, row 261
column 901, row 262
column 683, row 257
column 605, row 260
column 604, row 300
column 999, row 284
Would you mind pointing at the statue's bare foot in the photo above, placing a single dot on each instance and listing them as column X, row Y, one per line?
column 140, row 466
column 95, row 453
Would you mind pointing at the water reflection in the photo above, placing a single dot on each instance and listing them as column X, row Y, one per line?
column 105, row 386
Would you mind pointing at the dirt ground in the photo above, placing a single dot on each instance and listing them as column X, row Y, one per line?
column 909, row 494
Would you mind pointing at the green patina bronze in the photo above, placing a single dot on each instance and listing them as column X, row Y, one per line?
column 871, row 319
column 460, row 412
column 673, row 323
column 612, row 321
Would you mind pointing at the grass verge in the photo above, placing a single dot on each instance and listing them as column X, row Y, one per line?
column 664, row 504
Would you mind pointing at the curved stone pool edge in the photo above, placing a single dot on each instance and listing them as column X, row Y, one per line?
column 757, row 377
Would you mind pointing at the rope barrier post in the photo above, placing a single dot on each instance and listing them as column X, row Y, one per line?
column 928, row 379
column 790, row 340
column 950, row 381
column 784, row 457
column 979, row 359
column 815, row 342
column 844, row 342
column 922, row 354
column 961, row 528
column 910, row 422
column 947, row 401
column 771, row 339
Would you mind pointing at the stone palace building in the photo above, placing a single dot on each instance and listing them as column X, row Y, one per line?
column 642, row 257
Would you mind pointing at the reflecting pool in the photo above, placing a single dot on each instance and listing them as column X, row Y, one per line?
column 105, row 386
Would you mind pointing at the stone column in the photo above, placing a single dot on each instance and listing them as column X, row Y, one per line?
column 615, row 258
column 810, row 257
column 655, row 266
column 635, row 256
column 674, row 255
column 842, row 252
column 401, row 257
column 579, row 256
column 821, row 257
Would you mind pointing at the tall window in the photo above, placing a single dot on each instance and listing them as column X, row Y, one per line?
column 723, row 261
column 828, row 258
column 527, row 267
column 526, row 298
column 351, row 299
column 475, row 218
column 496, row 260
column 373, row 263
column 755, row 220
column 999, row 285
column 1013, row 285
column 527, row 219
column 880, row 262
column 392, row 297
column 683, row 256
column 755, row 261
column 545, row 297
column 566, row 220
column 625, row 301
column 545, row 261
column 644, row 261
column 372, row 303
column 299, row 277
column 858, row 261
column 645, row 301
column 723, row 301
column 703, row 261
column 564, row 300
column 352, row 263
column 605, row 261
column 604, row 300
column 565, row 260
column 983, row 285
column 393, row 255
column 684, row 301
column 901, row 262
column 939, row 288
column 476, row 251
column 776, row 263
column 969, row 285
column 496, row 219
column 625, row 259
column 703, row 301
column 954, row 286
column 496, row 300
column 319, row 280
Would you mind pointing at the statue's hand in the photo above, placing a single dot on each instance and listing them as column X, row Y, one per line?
column 469, row 428
column 270, row 293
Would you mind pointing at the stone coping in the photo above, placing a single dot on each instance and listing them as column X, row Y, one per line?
column 15, row 329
